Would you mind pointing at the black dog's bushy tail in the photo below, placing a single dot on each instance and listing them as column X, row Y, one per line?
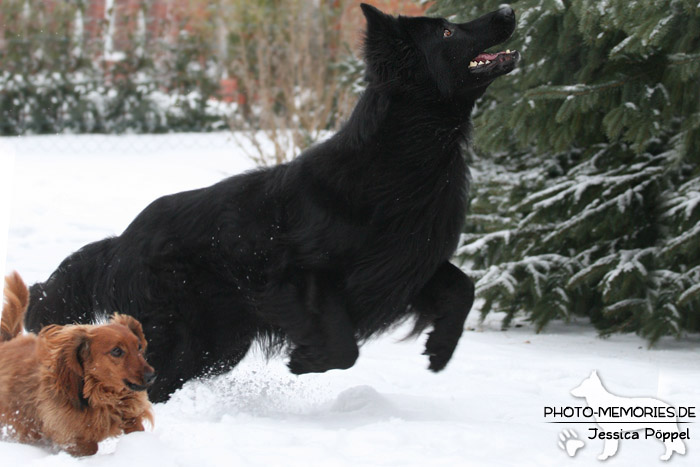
column 14, row 307
column 67, row 296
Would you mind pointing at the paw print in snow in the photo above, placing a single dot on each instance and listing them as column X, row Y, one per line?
column 569, row 442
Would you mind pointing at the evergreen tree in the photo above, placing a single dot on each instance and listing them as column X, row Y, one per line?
column 587, row 193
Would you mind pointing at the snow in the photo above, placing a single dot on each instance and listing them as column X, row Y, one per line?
column 597, row 207
column 686, row 237
column 485, row 409
column 471, row 248
column 495, row 277
column 7, row 160
column 690, row 291
column 623, row 43
column 600, row 263
column 629, row 262
column 660, row 26
column 602, row 7
column 687, row 199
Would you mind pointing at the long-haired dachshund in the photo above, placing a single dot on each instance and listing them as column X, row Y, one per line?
column 71, row 386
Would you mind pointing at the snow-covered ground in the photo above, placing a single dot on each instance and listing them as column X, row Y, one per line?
column 486, row 408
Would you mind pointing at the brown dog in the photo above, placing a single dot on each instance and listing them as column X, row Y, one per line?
column 71, row 386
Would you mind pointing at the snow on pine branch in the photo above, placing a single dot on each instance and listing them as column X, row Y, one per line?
column 630, row 262
column 496, row 278
column 598, row 207
column 689, row 237
column 473, row 247
column 573, row 190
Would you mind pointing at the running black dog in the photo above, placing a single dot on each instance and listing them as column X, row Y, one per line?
column 321, row 253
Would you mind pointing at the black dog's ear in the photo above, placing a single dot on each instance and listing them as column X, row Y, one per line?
column 378, row 21
column 383, row 45
column 372, row 14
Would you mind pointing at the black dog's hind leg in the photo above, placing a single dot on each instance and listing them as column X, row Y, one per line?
column 317, row 323
column 183, row 348
column 445, row 301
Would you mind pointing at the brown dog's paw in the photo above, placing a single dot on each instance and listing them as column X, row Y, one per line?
column 82, row 448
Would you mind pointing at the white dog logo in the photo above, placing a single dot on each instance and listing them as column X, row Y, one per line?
column 607, row 408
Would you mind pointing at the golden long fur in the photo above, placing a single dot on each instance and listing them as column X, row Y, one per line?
column 71, row 386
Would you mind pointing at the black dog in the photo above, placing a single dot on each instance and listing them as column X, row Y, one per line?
column 351, row 237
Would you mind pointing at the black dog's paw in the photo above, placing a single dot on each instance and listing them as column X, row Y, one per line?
column 307, row 359
column 439, row 353
column 438, row 363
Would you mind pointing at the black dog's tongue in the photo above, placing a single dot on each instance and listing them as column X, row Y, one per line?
column 484, row 57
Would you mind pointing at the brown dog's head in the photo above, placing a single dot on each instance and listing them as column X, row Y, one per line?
column 96, row 362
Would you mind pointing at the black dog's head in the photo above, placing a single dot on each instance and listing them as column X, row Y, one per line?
column 420, row 53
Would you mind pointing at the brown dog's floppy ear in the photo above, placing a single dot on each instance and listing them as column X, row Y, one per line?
column 67, row 348
column 133, row 324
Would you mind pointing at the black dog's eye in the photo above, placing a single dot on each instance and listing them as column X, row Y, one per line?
column 446, row 33
column 117, row 352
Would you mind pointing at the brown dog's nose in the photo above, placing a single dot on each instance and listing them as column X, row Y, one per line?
column 149, row 377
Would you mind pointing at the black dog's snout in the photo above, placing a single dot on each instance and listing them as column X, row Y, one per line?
column 149, row 377
column 507, row 12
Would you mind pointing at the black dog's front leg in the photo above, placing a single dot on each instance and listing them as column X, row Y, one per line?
column 331, row 344
column 317, row 322
column 445, row 301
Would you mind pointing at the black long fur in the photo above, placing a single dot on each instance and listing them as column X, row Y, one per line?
column 320, row 253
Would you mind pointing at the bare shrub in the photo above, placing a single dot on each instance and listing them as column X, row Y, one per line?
column 287, row 58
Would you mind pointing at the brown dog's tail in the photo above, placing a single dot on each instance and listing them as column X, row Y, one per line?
column 16, row 301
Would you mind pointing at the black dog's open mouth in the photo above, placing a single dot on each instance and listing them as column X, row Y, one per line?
column 501, row 61
column 135, row 387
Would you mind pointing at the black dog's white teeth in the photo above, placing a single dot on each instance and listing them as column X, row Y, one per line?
column 478, row 64
column 500, row 57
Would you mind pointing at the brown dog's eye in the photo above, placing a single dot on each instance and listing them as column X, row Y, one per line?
column 446, row 33
column 117, row 352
